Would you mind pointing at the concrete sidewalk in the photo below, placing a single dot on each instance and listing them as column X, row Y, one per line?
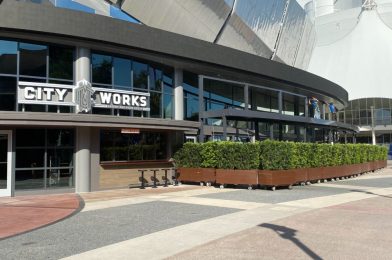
column 348, row 219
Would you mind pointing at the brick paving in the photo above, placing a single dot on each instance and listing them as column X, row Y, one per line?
column 25, row 213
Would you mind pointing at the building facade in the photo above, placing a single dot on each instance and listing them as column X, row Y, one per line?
column 87, row 99
column 354, row 49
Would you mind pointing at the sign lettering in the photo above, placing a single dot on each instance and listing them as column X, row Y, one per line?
column 83, row 96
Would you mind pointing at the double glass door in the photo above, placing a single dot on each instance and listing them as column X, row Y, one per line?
column 5, row 163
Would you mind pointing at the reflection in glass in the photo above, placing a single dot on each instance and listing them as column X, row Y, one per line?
column 191, row 107
column 130, row 147
column 167, row 106
column 59, row 158
column 29, row 158
column 101, row 69
column 155, row 105
column 30, row 137
column 56, row 178
column 7, row 93
column 8, row 56
column 263, row 100
column 44, row 158
column 155, row 79
column 32, row 59
column 60, row 137
column 122, row 73
column 222, row 95
column 140, row 75
column 61, row 62
column 29, row 179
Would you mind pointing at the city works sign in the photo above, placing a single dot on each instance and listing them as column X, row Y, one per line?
column 83, row 96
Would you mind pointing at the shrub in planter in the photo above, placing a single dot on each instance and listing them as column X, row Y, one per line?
column 237, row 163
column 241, row 156
column 208, row 153
column 189, row 156
column 276, row 155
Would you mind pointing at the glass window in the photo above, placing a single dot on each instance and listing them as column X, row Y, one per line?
column 61, row 62
column 30, row 137
column 59, row 178
column 29, row 179
column 60, row 137
column 8, row 57
column 155, row 105
column 44, row 158
column 129, row 147
column 385, row 103
column 191, row 82
column 32, row 59
column 167, row 106
column 263, row 100
column 122, row 73
column 220, row 95
column 191, row 107
column 101, row 69
column 29, row 158
column 155, row 79
column 140, row 75
column 7, row 93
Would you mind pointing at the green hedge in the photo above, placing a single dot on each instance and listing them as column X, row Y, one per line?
column 274, row 155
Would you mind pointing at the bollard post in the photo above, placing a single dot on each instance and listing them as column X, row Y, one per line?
column 142, row 173
column 155, row 177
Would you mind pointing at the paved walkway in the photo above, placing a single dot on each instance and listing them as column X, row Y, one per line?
column 25, row 213
column 348, row 219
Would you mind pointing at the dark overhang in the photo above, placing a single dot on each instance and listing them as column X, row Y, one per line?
column 248, row 115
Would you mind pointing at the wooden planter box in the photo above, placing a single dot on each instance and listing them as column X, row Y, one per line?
column 281, row 177
column 196, row 175
column 315, row 174
column 380, row 164
column 229, row 176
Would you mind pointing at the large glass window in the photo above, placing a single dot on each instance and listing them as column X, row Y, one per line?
column 7, row 93
column 191, row 96
column 136, row 76
column 101, row 69
column 221, row 95
column 8, row 57
column 44, row 158
column 140, row 75
column 263, row 100
column 61, row 63
column 122, row 73
column 33, row 67
column 293, row 105
column 33, row 59
column 133, row 147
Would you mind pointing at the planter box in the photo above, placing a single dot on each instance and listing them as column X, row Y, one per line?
column 196, row 175
column 229, row 176
column 281, row 177
column 314, row 174
column 333, row 172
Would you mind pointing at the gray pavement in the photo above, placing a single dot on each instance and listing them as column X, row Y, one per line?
column 93, row 229
column 278, row 196
column 377, row 182
column 348, row 219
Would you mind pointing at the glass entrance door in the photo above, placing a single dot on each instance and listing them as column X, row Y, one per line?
column 5, row 163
